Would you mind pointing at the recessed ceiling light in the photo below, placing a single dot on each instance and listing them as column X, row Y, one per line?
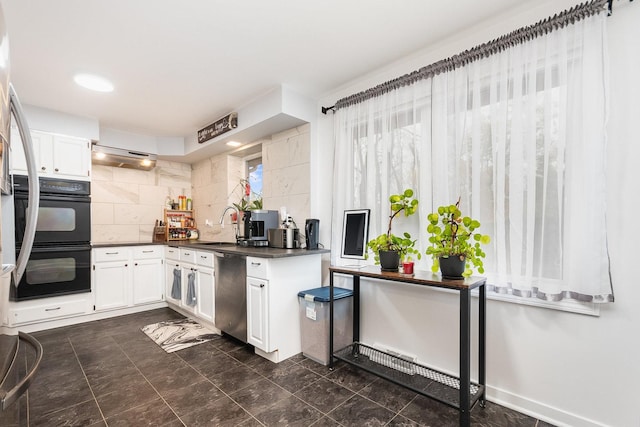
column 234, row 144
column 92, row 82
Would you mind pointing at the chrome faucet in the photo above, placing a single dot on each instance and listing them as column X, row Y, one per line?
column 225, row 212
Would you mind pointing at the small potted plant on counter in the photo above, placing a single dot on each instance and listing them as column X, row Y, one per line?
column 389, row 249
column 455, row 244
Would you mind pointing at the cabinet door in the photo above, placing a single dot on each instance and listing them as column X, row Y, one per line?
column 111, row 282
column 258, row 313
column 205, row 281
column 187, row 302
column 71, row 156
column 148, row 276
column 44, row 152
column 171, row 266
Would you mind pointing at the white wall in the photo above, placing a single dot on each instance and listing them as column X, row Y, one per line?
column 569, row 369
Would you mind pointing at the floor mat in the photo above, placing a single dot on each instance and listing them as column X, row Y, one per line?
column 174, row 335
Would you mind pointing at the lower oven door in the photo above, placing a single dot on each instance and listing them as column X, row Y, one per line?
column 55, row 270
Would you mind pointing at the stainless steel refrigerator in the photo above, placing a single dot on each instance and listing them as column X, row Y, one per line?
column 15, row 375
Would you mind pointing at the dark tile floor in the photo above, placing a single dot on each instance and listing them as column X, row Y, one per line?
column 110, row 373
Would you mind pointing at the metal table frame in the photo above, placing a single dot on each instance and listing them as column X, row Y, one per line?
column 463, row 287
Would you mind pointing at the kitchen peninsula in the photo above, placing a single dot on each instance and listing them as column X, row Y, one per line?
column 261, row 281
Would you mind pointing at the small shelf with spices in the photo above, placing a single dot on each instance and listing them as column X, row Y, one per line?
column 180, row 224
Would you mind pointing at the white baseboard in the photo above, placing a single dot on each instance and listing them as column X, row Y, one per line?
column 541, row 411
column 58, row 323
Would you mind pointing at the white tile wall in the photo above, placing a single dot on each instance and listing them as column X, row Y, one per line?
column 126, row 202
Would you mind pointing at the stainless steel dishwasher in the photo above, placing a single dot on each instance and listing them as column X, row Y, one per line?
column 231, row 294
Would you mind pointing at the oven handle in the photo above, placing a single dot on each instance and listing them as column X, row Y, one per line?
column 34, row 187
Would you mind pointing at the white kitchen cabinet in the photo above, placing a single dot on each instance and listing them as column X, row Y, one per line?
column 125, row 276
column 188, row 266
column 257, row 313
column 111, row 284
column 205, row 281
column 148, row 274
column 57, row 156
column 200, row 265
column 273, row 323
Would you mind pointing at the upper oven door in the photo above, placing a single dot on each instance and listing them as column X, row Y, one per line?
column 61, row 219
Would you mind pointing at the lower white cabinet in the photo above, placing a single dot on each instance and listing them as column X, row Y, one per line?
column 148, row 278
column 198, row 299
column 257, row 313
column 273, row 323
column 205, row 282
column 111, row 284
column 127, row 275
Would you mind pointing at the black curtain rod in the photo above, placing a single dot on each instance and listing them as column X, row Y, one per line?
column 518, row 36
column 610, row 7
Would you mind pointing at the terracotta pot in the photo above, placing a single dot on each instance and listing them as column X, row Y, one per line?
column 452, row 267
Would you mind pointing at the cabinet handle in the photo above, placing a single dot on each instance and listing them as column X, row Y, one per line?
column 112, row 253
column 147, row 252
column 187, row 254
column 203, row 257
column 126, row 265
column 52, row 309
column 135, row 263
column 43, row 168
column 257, row 264
column 57, row 170
column 262, row 285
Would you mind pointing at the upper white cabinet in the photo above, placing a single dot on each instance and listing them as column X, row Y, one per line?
column 57, row 156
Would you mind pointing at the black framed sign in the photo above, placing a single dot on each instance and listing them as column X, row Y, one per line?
column 355, row 233
column 220, row 126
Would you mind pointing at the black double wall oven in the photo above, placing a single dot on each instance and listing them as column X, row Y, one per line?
column 60, row 262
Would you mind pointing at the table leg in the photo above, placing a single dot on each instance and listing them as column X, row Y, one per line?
column 482, row 349
column 356, row 308
column 465, row 364
column 331, row 320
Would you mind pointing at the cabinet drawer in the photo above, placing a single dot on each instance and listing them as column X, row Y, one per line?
column 172, row 253
column 205, row 259
column 48, row 311
column 147, row 252
column 188, row 255
column 257, row 267
column 111, row 254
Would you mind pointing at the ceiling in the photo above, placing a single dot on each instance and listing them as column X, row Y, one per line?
column 179, row 65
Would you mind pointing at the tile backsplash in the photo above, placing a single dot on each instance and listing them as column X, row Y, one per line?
column 126, row 202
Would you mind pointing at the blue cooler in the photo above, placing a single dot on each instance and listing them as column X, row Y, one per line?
column 314, row 321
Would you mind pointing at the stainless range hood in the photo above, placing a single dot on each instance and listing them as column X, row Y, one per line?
column 122, row 158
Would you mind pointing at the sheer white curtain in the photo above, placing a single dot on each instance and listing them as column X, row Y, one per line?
column 520, row 136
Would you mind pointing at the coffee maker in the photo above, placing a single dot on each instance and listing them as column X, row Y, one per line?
column 254, row 225
column 311, row 231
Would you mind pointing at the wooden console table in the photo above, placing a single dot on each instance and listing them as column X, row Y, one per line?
column 459, row 393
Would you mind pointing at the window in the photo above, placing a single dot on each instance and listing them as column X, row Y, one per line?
column 520, row 137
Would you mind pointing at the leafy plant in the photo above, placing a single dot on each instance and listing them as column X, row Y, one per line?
column 451, row 234
column 249, row 200
column 404, row 245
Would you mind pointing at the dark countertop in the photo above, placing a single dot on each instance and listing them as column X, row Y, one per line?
column 114, row 244
column 224, row 247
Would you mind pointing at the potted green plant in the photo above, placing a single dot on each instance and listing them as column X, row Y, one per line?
column 245, row 203
column 456, row 246
column 389, row 249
